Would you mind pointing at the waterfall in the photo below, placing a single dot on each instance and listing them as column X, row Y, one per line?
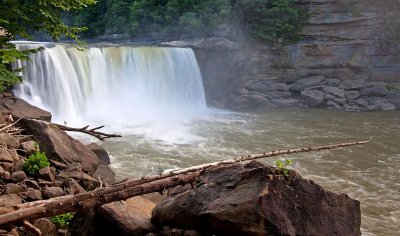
column 120, row 84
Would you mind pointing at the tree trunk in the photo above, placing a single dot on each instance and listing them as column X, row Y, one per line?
column 131, row 188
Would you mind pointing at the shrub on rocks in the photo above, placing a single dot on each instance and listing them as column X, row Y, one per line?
column 35, row 162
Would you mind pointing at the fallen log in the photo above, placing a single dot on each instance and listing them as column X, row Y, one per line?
column 131, row 188
column 93, row 132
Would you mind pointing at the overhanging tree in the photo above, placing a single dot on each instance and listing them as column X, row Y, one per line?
column 20, row 17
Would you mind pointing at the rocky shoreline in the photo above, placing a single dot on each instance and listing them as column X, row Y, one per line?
column 236, row 199
column 317, row 92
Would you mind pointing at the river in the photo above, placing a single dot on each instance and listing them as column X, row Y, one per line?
column 367, row 173
column 154, row 97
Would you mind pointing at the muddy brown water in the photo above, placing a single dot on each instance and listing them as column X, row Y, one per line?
column 370, row 173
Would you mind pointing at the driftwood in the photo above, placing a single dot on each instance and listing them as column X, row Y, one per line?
column 131, row 188
column 93, row 132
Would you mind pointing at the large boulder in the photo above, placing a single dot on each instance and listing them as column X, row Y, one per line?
column 58, row 145
column 313, row 98
column 394, row 98
column 354, row 84
column 21, row 109
column 101, row 153
column 130, row 217
column 375, row 91
column 252, row 199
column 334, row 91
column 308, row 82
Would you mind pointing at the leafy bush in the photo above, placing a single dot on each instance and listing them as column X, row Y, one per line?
column 281, row 165
column 35, row 162
column 62, row 220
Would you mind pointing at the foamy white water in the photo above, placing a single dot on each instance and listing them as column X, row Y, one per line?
column 114, row 85
column 155, row 97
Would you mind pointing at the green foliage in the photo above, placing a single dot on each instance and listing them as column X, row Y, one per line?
column 281, row 165
column 62, row 220
column 393, row 87
column 273, row 20
column 19, row 18
column 269, row 20
column 178, row 17
column 35, row 162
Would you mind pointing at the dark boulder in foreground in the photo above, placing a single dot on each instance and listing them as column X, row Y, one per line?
column 252, row 200
column 58, row 145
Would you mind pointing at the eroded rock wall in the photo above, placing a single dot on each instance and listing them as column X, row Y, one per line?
column 344, row 40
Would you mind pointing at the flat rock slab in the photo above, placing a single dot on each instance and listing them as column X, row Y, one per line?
column 21, row 109
column 250, row 200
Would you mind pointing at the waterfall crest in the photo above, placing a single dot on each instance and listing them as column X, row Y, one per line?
column 120, row 84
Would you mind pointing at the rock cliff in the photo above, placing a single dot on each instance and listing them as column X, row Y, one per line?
column 343, row 40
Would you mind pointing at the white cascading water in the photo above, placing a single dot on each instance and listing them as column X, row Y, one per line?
column 113, row 85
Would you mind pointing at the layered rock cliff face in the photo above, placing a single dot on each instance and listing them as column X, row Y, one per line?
column 349, row 59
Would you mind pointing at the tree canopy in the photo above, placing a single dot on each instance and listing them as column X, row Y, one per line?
column 20, row 18
column 267, row 20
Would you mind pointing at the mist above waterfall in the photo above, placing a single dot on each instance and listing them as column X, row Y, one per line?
column 114, row 85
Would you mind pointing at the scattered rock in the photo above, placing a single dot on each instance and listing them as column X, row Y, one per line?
column 50, row 192
column 29, row 147
column 47, row 227
column 101, row 153
column 394, row 98
column 75, row 166
column 289, row 102
column 10, row 200
column 10, row 141
column 14, row 155
column 31, row 184
column 19, row 109
column 354, row 84
column 74, row 188
column 333, row 105
column 332, row 82
column 5, row 174
column 313, row 98
column 59, row 145
column 19, row 165
column 34, row 194
column 308, row 82
column 375, row 91
column 268, row 86
column 18, row 176
column 380, row 105
column 7, row 166
column 86, row 180
column 46, row 174
column 105, row 173
column 361, row 102
column 275, row 95
column 334, row 90
column 63, row 232
column 352, row 94
column 5, row 155
column 84, row 224
column 239, row 200
column 14, row 188
column 130, row 217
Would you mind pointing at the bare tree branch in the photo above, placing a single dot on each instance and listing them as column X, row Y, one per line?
column 93, row 132
column 131, row 188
